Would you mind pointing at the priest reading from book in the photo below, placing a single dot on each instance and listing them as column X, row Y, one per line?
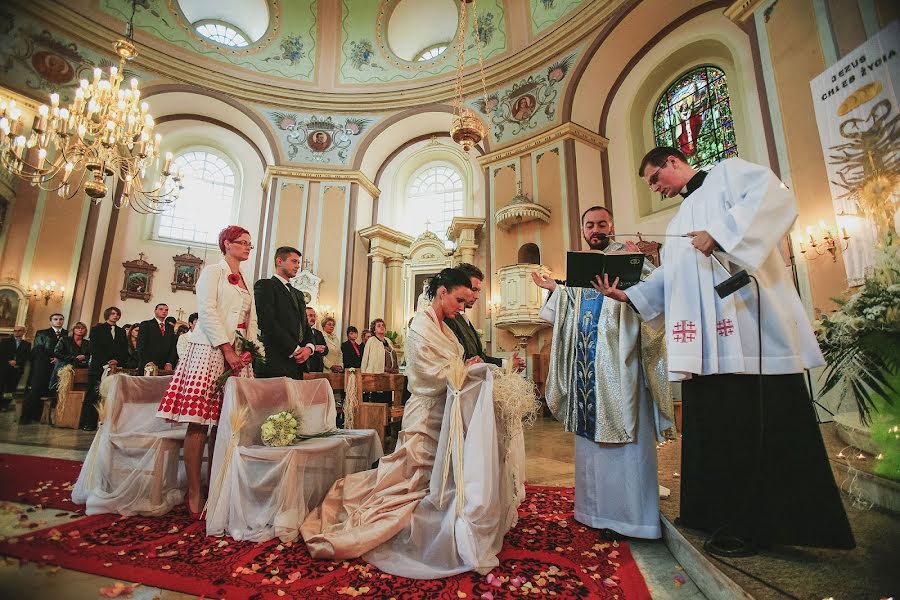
column 607, row 385
column 754, row 471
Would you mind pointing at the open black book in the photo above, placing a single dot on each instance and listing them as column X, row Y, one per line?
column 582, row 267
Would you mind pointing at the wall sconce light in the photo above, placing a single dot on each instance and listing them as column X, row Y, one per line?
column 828, row 243
column 47, row 291
column 327, row 311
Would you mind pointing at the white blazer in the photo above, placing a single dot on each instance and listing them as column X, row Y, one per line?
column 219, row 307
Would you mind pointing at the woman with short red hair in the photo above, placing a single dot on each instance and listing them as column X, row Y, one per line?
column 225, row 306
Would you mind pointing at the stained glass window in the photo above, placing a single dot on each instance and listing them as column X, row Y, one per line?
column 694, row 115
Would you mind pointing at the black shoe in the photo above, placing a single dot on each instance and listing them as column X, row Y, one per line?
column 88, row 428
column 24, row 421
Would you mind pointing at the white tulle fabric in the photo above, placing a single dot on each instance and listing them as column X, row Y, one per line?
column 133, row 465
column 442, row 538
column 266, row 492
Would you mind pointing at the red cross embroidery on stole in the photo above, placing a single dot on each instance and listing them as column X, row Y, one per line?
column 684, row 332
column 724, row 327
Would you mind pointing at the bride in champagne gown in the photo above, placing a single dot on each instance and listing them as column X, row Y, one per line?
column 403, row 516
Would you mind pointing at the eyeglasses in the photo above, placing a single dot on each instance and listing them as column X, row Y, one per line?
column 655, row 177
column 244, row 243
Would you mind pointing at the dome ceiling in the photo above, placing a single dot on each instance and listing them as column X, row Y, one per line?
column 353, row 55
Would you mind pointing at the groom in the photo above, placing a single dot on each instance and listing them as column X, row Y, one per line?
column 281, row 311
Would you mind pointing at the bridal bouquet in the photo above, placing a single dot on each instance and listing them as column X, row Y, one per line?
column 280, row 429
column 252, row 351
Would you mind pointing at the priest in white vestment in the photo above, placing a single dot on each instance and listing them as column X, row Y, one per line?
column 607, row 385
column 753, row 461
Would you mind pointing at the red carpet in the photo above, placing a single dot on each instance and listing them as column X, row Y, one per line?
column 39, row 480
column 547, row 552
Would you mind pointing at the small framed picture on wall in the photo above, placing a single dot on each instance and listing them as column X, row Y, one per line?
column 138, row 281
column 187, row 271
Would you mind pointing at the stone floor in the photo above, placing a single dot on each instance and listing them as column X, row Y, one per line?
column 550, row 461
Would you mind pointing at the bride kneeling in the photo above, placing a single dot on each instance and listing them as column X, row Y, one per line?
column 442, row 502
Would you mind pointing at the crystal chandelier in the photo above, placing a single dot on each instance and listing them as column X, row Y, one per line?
column 105, row 133
column 466, row 129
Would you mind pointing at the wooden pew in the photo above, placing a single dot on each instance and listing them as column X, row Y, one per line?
column 66, row 411
column 371, row 415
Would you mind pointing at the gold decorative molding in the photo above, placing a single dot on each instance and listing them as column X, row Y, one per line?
column 741, row 10
column 320, row 174
column 28, row 105
column 566, row 131
column 168, row 61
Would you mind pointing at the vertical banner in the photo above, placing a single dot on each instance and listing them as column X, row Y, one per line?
column 859, row 123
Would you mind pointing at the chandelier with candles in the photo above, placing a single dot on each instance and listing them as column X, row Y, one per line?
column 466, row 129
column 106, row 135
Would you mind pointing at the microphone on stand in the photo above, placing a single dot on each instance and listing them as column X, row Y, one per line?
column 723, row 289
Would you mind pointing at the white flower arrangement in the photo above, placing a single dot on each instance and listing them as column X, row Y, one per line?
column 280, row 429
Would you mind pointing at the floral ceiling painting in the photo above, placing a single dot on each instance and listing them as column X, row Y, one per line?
column 307, row 138
column 366, row 55
column 36, row 62
column 287, row 49
column 530, row 104
column 545, row 13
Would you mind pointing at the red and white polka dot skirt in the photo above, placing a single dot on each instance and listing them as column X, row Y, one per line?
column 188, row 398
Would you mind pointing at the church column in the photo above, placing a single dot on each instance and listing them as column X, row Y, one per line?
column 394, row 296
column 386, row 245
column 376, row 298
column 463, row 231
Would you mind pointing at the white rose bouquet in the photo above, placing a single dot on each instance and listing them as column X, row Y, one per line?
column 280, row 429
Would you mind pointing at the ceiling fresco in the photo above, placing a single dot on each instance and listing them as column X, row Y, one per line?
column 38, row 62
column 528, row 105
column 316, row 138
column 366, row 56
column 287, row 49
column 545, row 13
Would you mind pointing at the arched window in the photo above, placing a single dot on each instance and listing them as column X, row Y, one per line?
column 694, row 115
column 221, row 33
column 206, row 203
column 436, row 194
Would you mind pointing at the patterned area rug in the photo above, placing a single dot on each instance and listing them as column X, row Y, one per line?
column 546, row 554
column 40, row 481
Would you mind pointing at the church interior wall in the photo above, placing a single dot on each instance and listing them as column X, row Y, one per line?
column 134, row 231
column 797, row 57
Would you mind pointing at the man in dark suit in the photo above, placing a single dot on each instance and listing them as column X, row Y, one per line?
column 316, row 364
column 42, row 361
column 156, row 341
column 351, row 350
column 14, row 353
column 109, row 346
column 281, row 314
column 465, row 331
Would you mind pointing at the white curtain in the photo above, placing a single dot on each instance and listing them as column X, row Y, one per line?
column 266, row 492
column 450, row 532
column 133, row 465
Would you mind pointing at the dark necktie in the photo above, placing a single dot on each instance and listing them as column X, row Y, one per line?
column 162, row 329
column 290, row 291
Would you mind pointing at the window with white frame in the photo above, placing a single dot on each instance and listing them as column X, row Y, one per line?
column 434, row 196
column 206, row 203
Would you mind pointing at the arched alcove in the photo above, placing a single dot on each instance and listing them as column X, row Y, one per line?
column 529, row 254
